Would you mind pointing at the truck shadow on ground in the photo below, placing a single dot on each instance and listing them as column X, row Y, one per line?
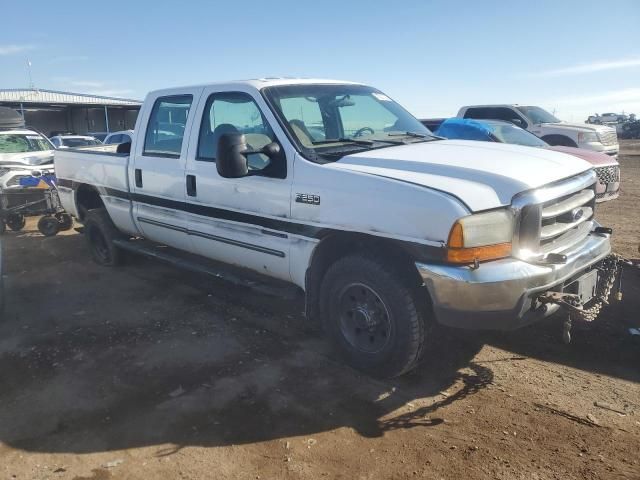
column 95, row 359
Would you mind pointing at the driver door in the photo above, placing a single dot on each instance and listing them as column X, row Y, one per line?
column 239, row 221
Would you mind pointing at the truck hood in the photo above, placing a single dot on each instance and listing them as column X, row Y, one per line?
column 583, row 127
column 26, row 158
column 482, row 175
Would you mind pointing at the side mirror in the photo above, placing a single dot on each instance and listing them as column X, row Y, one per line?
column 518, row 122
column 271, row 150
column 231, row 157
column 231, row 161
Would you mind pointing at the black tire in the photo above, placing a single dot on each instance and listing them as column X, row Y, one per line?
column 48, row 226
column 65, row 220
column 16, row 222
column 100, row 233
column 373, row 317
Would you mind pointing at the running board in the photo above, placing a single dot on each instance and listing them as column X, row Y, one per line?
column 195, row 263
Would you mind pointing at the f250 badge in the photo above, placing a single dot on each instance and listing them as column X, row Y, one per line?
column 308, row 198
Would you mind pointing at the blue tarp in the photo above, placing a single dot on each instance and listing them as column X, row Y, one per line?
column 465, row 129
column 45, row 181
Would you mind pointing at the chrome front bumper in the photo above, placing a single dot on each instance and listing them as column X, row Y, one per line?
column 499, row 295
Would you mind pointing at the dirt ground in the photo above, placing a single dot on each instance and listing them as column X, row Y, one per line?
column 148, row 372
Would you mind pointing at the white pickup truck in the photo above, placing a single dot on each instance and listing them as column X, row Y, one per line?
column 334, row 187
column 555, row 132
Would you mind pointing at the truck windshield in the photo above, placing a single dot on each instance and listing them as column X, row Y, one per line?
column 538, row 115
column 20, row 143
column 331, row 120
column 515, row 135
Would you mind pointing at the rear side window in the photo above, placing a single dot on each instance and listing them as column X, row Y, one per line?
column 165, row 131
column 114, row 139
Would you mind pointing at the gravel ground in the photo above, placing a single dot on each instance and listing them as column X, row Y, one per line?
column 149, row 372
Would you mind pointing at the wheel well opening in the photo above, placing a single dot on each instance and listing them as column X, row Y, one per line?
column 336, row 246
column 559, row 140
column 87, row 198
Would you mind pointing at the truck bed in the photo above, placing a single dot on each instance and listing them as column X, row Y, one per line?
column 92, row 166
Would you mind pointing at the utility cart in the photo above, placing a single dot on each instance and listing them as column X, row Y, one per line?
column 38, row 196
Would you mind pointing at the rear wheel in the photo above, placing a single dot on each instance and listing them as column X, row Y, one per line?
column 100, row 233
column 48, row 226
column 373, row 317
column 16, row 222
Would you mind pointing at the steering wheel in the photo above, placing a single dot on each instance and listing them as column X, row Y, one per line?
column 362, row 130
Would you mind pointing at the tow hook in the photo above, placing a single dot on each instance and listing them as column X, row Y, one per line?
column 609, row 269
column 571, row 305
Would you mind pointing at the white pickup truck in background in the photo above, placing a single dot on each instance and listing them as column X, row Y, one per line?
column 538, row 121
column 334, row 187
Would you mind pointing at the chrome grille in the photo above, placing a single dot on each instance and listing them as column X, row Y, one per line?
column 610, row 174
column 609, row 137
column 566, row 221
column 553, row 218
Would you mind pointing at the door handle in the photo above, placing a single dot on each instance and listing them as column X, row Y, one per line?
column 138, row 178
column 191, row 186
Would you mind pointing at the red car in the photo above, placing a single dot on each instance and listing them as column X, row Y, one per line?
column 606, row 167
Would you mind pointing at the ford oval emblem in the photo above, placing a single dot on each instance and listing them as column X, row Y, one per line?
column 577, row 214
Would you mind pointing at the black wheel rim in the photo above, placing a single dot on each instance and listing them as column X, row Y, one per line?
column 99, row 245
column 364, row 318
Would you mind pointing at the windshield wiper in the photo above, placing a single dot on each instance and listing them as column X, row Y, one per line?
column 343, row 139
column 416, row 135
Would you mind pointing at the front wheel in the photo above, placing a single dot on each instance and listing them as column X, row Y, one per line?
column 373, row 317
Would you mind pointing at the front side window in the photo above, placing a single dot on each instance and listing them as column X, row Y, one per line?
column 508, row 115
column 167, row 123
column 478, row 113
column 329, row 121
column 21, row 143
column 234, row 112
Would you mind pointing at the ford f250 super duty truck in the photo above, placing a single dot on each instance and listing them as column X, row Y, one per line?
column 334, row 187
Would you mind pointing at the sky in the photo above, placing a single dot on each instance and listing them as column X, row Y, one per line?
column 574, row 58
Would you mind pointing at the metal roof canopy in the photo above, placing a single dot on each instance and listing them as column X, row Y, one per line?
column 9, row 118
column 39, row 96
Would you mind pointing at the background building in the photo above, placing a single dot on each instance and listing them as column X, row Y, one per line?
column 51, row 111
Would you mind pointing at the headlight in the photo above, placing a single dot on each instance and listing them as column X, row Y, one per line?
column 588, row 137
column 483, row 236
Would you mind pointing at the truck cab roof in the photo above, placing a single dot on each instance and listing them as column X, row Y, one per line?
column 256, row 83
